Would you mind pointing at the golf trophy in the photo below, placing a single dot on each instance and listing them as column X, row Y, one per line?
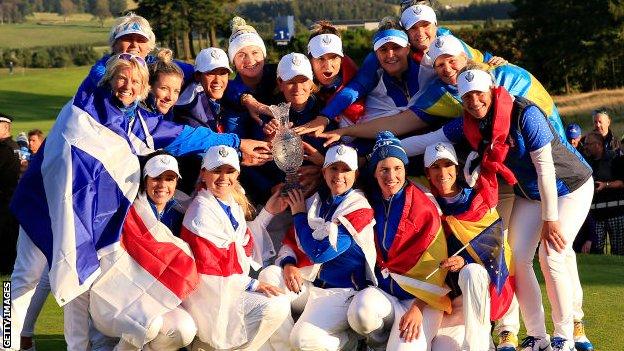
column 287, row 147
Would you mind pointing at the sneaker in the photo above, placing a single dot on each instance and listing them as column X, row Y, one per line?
column 580, row 339
column 561, row 344
column 507, row 341
column 531, row 343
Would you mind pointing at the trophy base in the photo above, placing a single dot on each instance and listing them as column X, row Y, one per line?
column 292, row 183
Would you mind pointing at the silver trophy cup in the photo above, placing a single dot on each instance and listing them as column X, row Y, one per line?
column 287, row 147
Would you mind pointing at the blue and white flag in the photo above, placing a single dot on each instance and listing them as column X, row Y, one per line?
column 74, row 197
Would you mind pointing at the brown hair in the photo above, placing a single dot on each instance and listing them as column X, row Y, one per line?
column 164, row 65
column 389, row 22
column 36, row 132
column 323, row 27
column 596, row 136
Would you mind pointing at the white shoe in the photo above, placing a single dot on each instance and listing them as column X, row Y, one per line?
column 531, row 343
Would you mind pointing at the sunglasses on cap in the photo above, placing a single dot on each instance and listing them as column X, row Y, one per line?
column 130, row 57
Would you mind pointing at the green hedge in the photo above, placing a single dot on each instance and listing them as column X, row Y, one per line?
column 50, row 56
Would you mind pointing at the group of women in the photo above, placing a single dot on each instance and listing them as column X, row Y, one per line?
column 369, row 258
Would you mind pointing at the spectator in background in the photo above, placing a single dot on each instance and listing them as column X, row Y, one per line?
column 607, row 207
column 9, row 173
column 35, row 139
column 602, row 121
column 574, row 134
column 23, row 152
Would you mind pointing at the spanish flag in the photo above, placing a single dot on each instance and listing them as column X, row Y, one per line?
column 418, row 248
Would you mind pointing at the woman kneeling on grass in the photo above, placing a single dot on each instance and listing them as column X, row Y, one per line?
column 150, row 318
column 231, row 309
column 405, row 309
column 481, row 273
column 328, row 256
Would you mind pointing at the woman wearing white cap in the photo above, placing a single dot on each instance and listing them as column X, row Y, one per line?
column 231, row 310
column 327, row 256
column 553, row 187
column 469, row 216
column 420, row 22
column 404, row 310
column 140, row 323
column 332, row 68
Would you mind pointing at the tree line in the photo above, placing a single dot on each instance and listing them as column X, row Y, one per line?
column 15, row 11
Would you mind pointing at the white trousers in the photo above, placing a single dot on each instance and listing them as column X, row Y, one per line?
column 559, row 269
column 30, row 264
column 36, row 305
column 467, row 328
column 263, row 316
column 280, row 340
column 376, row 315
column 323, row 325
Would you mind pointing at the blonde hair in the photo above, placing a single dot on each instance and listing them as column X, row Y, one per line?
column 115, row 64
column 238, row 194
column 164, row 65
column 123, row 22
column 323, row 27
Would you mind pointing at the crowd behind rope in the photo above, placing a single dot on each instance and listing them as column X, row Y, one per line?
column 379, row 247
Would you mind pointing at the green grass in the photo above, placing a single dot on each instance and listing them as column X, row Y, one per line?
column 48, row 29
column 602, row 277
column 35, row 96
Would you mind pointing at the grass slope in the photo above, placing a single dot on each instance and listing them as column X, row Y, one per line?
column 49, row 29
column 602, row 277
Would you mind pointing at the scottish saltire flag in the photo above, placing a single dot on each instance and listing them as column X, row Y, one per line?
column 153, row 270
column 73, row 198
column 488, row 247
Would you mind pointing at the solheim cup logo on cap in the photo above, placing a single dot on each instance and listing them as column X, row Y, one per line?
column 417, row 10
column 215, row 54
column 341, row 150
column 296, row 60
column 439, row 43
column 223, row 151
column 469, row 76
column 165, row 160
column 326, row 40
column 440, row 147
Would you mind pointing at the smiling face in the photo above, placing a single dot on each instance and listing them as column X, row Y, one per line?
column 297, row 91
column 132, row 44
column 220, row 181
column 161, row 189
column 477, row 103
column 393, row 58
column 214, row 82
column 339, row 177
column 421, row 35
column 390, row 175
column 166, row 91
column 442, row 175
column 126, row 85
column 249, row 62
column 326, row 68
column 448, row 67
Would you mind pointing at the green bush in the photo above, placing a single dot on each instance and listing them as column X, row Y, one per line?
column 50, row 56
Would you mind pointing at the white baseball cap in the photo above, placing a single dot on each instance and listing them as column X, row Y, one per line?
column 474, row 79
column 132, row 28
column 417, row 13
column 211, row 58
column 438, row 151
column 325, row 44
column 220, row 155
column 294, row 64
column 341, row 153
column 159, row 164
column 445, row 45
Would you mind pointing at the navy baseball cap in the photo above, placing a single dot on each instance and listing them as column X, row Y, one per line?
column 573, row 131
